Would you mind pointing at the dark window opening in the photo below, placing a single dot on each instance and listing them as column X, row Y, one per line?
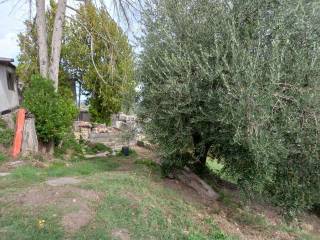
column 10, row 81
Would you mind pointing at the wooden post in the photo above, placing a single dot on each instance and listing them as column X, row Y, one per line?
column 17, row 142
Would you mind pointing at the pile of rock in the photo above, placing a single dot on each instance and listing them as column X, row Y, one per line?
column 109, row 135
column 122, row 120
column 82, row 130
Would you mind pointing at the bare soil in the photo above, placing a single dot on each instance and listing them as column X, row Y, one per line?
column 76, row 203
column 121, row 234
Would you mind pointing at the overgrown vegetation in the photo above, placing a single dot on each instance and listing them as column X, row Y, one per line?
column 2, row 157
column 103, row 60
column 6, row 134
column 96, row 57
column 238, row 79
column 54, row 113
column 93, row 148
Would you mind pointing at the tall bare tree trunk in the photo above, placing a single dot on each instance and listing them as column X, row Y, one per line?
column 42, row 38
column 57, row 42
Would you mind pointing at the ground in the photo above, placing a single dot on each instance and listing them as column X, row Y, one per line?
column 119, row 197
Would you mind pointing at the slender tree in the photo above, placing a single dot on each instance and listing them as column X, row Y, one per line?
column 42, row 38
column 57, row 42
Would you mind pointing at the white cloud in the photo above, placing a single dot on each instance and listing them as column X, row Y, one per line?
column 9, row 46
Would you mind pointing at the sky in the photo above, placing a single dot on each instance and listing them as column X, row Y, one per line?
column 13, row 13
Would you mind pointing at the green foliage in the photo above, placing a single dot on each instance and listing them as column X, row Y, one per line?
column 103, row 60
column 69, row 145
column 238, row 79
column 103, row 67
column 2, row 157
column 6, row 134
column 23, row 223
column 27, row 174
column 93, row 148
column 81, row 168
column 54, row 114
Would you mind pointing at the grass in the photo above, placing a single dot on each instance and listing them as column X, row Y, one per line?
column 30, row 174
column 6, row 134
column 135, row 200
column 93, row 148
column 3, row 158
column 81, row 168
column 146, row 209
column 24, row 224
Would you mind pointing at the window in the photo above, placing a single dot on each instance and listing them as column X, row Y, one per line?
column 10, row 81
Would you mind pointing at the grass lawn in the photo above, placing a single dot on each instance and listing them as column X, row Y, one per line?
column 132, row 203
column 116, row 198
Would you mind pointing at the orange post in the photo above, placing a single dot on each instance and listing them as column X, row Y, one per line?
column 17, row 142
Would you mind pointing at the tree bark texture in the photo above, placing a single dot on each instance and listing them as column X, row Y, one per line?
column 57, row 42
column 30, row 141
column 200, row 150
column 42, row 38
column 196, row 183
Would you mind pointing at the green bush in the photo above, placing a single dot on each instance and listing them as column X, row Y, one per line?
column 69, row 143
column 54, row 114
column 6, row 134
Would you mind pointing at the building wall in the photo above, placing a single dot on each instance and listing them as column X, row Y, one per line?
column 8, row 99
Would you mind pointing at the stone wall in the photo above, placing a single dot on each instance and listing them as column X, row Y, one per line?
column 108, row 135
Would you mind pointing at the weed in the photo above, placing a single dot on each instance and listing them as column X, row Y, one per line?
column 3, row 157
column 93, row 148
column 245, row 217
column 78, row 168
column 24, row 224
column 27, row 174
column 147, row 162
column 6, row 134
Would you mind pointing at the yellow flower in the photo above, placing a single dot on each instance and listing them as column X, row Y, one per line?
column 41, row 223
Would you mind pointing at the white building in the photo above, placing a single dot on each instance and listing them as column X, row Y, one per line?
column 9, row 96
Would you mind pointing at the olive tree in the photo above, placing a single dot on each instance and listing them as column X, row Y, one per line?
column 239, row 80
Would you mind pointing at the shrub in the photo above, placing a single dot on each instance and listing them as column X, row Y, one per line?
column 54, row 114
column 70, row 145
column 6, row 134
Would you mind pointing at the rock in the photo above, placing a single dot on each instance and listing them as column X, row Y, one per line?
column 39, row 164
column 103, row 154
column 4, row 174
column 30, row 141
column 15, row 164
column 196, row 183
column 82, row 130
column 62, row 181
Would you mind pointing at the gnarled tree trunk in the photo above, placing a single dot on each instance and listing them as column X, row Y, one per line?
column 200, row 150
